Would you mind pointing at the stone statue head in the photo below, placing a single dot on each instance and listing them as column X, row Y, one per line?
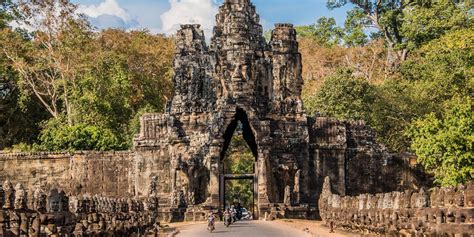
column 57, row 201
column 20, row 197
column 40, row 202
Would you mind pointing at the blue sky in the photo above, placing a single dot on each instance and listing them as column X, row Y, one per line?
column 164, row 16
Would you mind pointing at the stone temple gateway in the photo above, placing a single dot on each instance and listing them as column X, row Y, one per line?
column 240, row 77
column 177, row 160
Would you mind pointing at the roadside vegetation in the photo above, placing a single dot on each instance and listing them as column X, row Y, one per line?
column 405, row 67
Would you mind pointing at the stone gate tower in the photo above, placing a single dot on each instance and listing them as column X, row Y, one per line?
column 239, row 77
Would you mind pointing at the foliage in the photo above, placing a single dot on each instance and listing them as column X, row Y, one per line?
column 354, row 27
column 404, row 25
column 343, row 96
column 239, row 191
column 97, row 79
column 58, row 136
column 18, row 121
column 6, row 15
column 435, row 73
column 239, row 160
column 50, row 63
column 325, row 32
column 444, row 144
column 131, row 74
column 423, row 23
column 443, row 67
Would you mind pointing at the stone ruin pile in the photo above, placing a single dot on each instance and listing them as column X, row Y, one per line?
column 36, row 213
column 439, row 212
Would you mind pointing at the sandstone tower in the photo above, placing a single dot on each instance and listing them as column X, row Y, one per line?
column 238, row 78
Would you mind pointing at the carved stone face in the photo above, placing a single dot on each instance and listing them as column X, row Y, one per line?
column 55, row 201
column 55, row 205
column 20, row 197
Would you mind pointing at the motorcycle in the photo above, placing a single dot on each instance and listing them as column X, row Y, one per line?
column 227, row 219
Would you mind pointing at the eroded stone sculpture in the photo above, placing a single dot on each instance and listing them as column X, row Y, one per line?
column 393, row 216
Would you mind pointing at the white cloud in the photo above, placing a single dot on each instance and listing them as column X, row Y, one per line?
column 107, row 8
column 189, row 12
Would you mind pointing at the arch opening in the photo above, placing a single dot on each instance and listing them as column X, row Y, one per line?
column 238, row 182
column 240, row 118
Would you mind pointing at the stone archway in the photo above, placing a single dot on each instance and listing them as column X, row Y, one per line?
column 249, row 137
column 239, row 77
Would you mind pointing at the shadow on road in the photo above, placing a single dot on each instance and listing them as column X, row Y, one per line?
column 242, row 226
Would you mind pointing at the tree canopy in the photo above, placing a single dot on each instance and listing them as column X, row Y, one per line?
column 90, row 85
column 405, row 78
column 445, row 143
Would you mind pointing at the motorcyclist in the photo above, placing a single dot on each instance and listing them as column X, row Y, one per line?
column 210, row 221
column 239, row 211
column 233, row 214
column 227, row 218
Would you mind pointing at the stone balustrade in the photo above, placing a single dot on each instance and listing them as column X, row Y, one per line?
column 438, row 212
column 33, row 212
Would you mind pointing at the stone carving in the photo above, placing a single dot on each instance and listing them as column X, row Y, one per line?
column 287, row 199
column 153, row 189
column 296, row 189
column 392, row 215
column 20, row 197
column 2, row 196
column 9, row 194
column 39, row 200
column 92, row 216
column 57, row 201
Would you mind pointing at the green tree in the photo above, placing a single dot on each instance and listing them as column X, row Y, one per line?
column 239, row 160
column 6, row 14
column 87, row 80
column 444, row 144
column 18, row 121
column 426, row 22
column 49, row 65
column 443, row 67
column 343, row 96
column 325, row 32
column 406, row 24
column 354, row 27
column 131, row 75
column 59, row 136
column 436, row 72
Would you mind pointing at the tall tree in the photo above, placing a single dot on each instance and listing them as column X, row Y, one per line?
column 325, row 32
column 444, row 144
column 343, row 96
column 18, row 121
column 406, row 23
column 50, row 63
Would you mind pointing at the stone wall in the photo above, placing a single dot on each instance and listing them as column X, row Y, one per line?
column 32, row 212
column 438, row 212
column 348, row 153
column 111, row 174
